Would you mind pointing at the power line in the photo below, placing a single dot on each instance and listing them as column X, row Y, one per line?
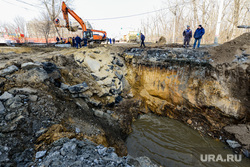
column 17, row 5
column 29, row 4
column 134, row 15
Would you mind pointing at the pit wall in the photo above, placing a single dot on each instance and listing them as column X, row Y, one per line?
column 169, row 86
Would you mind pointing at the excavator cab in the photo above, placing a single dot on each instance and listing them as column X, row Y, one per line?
column 88, row 34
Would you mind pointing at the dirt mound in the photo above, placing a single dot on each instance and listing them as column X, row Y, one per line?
column 162, row 40
column 226, row 52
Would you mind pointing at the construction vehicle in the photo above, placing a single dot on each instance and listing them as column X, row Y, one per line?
column 92, row 35
column 133, row 36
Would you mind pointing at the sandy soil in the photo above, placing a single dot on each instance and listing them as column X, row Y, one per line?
column 226, row 52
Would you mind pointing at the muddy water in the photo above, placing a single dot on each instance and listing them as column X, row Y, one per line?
column 171, row 143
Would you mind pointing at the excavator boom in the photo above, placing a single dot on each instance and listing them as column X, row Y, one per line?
column 65, row 11
column 86, row 32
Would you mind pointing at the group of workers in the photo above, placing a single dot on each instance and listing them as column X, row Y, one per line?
column 187, row 34
column 75, row 41
column 112, row 40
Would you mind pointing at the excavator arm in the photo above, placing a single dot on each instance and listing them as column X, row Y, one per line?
column 87, row 33
column 65, row 11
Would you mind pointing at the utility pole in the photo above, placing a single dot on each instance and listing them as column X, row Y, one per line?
column 217, row 33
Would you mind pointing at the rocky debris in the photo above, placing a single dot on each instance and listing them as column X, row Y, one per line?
column 76, row 89
column 3, row 154
column 64, row 86
column 99, row 76
column 246, row 153
column 119, row 76
column 24, row 91
column 9, row 70
column 15, row 102
column 46, row 94
column 2, row 108
column 241, row 133
column 94, row 102
column 117, row 61
column 2, row 80
column 5, row 96
column 40, row 154
column 30, row 65
column 51, row 70
column 233, row 144
column 168, row 55
column 66, row 152
column 49, row 67
column 107, row 82
column 241, row 59
column 130, row 95
column 93, row 64
column 33, row 76
column 98, row 113
column 33, row 98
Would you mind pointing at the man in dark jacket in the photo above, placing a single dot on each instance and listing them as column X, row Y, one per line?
column 142, row 40
column 57, row 40
column 187, row 36
column 200, row 31
column 73, row 42
column 78, row 41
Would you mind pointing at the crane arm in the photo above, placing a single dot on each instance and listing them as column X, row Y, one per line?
column 65, row 11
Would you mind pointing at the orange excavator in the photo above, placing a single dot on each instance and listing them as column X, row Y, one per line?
column 92, row 35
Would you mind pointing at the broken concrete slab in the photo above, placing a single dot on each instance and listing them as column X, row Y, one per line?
column 93, row 64
column 24, row 91
column 233, row 144
column 79, row 88
column 5, row 96
column 64, row 86
column 2, row 108
column 9, row 70
column 30, row 65
column 35, row 75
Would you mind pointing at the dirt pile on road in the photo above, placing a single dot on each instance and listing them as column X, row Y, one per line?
column 227, row 52
column 162, row 40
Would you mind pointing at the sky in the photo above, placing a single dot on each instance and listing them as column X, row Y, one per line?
column 89, row 10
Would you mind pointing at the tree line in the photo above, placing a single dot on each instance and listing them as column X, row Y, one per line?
column 171, row 22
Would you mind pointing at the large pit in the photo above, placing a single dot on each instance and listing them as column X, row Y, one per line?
column 97, row 93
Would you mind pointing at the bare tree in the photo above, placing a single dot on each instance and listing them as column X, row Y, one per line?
column 53, row 8
column 43, row 25
column 194, row 12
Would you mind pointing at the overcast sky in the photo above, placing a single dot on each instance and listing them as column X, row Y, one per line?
column 89, row 9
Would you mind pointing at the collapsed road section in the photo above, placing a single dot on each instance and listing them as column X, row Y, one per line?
column 95, row 94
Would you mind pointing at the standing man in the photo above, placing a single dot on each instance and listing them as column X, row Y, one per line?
column 187, row 36
column 57, row 40
column 200, row 31
column 78, row 41
column 85, row 41
column 142, row 40
column 73, row 42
